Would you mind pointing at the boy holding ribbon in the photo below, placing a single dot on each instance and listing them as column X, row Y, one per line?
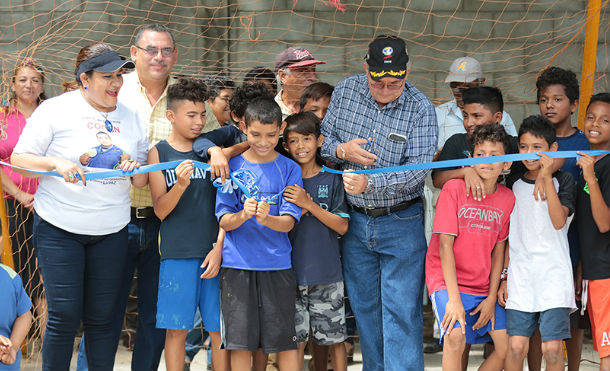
column 183, row 199
column 465, row 256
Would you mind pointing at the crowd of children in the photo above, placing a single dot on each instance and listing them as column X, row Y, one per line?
column 519, row 250
column 523, row 267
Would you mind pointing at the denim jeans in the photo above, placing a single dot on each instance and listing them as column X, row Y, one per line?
column 383, row 262
column 195, row 338
column 82, row 276
column 143, row 253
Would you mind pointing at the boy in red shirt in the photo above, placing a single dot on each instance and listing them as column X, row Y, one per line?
column 466, row 255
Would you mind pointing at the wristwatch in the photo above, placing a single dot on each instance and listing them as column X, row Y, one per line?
column 369, row 185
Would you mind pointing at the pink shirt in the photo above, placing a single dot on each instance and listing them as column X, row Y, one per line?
column 11, row 126
column 478, row 226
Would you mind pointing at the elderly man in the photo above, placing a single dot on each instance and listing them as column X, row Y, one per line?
column 296, row 70
column 378, row 119
column 464, row 73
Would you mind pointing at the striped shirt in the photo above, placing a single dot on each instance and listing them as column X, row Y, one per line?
column 403, row 132
column 133, row 95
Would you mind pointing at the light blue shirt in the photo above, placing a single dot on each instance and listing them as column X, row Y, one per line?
column 451, row 121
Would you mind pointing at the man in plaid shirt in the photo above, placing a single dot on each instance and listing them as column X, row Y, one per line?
column 378, row 119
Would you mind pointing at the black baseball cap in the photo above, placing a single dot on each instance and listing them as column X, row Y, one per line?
column 108, row 61
column 387, row 57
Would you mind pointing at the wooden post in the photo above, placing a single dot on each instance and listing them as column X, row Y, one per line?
column 587, row 76
column 7, row 253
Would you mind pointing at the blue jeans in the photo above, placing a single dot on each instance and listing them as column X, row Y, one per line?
column 82, row 276
column 143, row 253
column 383, row 262
column 195, row 338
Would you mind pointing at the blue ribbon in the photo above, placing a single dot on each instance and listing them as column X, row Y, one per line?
column 236, row 176
column 115, row 173
column 469, row 161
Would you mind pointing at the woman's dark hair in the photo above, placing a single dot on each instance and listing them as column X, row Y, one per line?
column 87, row 52
column 261, row 73
column 216, row 84
column 28, row 63
column 558, row 76
column 304, row 123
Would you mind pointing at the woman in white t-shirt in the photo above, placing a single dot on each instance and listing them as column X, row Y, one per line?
column 80, row 226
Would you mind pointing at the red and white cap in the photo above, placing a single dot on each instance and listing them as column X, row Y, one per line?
column 295, row 56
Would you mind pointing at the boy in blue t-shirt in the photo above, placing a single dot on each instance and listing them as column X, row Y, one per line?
column 258, row 286
column 183, row 198
column 15, row 318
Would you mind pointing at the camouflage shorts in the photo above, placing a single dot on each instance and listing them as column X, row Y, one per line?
column 321, row 307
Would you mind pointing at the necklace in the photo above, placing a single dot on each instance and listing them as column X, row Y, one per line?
column 107, row 122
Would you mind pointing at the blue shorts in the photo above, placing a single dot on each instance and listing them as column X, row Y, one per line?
column 181, row 290
column 554, row 324
column 439, row 302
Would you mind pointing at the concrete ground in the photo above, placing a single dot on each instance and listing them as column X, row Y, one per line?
column 590, row 360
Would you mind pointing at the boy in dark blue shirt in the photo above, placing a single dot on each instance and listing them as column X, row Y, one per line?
column 557, row 93
column 258, row 286
column 183, row 198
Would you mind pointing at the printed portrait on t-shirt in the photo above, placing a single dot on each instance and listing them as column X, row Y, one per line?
column 105, row 156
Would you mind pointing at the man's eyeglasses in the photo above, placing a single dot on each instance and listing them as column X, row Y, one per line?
column 152, row 51
column 389, row 85
column 301, row 70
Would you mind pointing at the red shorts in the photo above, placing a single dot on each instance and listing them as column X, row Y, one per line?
column 599, row 313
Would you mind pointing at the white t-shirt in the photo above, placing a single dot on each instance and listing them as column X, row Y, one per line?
column 67, row 126
column 539, row 270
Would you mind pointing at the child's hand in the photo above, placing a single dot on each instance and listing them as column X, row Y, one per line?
column 8, row 354
column 546, row 165
column 539, row 190
column 587, row 163
column 262, row 211
column 5, row 344
column 502, row 294
column 212, row 261
column 183, row 172
column 487, row 310
column 297, row 196
column 250, row 207
column 578, row 285
column 219, row 166
column 454, row 311
column 474, row 184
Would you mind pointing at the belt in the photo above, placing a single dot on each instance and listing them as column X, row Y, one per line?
column 382, row 211
column 142, row 212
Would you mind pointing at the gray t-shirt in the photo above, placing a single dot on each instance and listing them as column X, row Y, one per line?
column 315, row 247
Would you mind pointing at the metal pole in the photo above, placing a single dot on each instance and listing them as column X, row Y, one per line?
column 587, row 76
